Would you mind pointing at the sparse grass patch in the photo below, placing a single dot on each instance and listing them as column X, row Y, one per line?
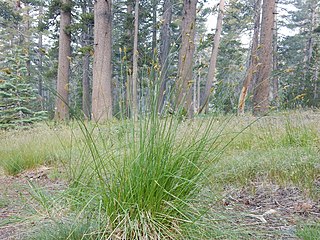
column 279, row 149
column 65, row 230
column 3, row 202
column 298, row 166
column 27, row 149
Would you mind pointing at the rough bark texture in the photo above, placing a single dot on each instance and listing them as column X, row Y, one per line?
column 135, row 63
column 253, row 61
column 61, row 105
column 102, row 69
column 185, row 78
column 165, row 39
column 261, row 101
column 213, row 59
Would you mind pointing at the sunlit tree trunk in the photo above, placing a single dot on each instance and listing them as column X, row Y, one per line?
column 61, row 105
column 253, row 61
column 261, row 102
column 102, row 69
column 213, row 60
column 185, row 78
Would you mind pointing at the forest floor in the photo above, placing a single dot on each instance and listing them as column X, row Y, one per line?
column 259, row 211
column 266, row 185
column 17, row 206
column 268, row 211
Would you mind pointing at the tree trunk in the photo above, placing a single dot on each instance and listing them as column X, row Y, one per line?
column 275, row 78
column 316, row 82
column 86, row 33
column 154, row 25
column 165, row 39
column 213, row 60
column 61, row 105
column 86, row 86
column 316, row 59
column 27, row 37
column 40, row 63
column 128, row 53
column 184, row 81
column 135, row 62
column 310, row 40
column 261, row 101
column 102, row 69
column 40, row 47
column 253, row 59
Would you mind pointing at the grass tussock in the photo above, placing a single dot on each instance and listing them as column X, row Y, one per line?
column 145, row 188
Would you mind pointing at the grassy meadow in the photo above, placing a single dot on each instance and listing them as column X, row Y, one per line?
column 222, row 177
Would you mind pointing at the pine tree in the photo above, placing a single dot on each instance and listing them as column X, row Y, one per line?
column 18, row 98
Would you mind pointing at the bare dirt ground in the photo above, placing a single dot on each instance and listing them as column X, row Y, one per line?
column 269, row 211
column 265, row 210
column 17, row 205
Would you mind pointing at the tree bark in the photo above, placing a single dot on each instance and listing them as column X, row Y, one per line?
column 261, row 101
column 61, row 105
column 184, row 81
column 213, row 60
column 135, row 62
column 102, row 69
column 165, row 40
column 253, row 61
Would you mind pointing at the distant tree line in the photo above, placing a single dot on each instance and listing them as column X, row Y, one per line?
column 102, row 59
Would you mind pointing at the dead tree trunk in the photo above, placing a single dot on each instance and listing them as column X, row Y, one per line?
column 253, row 61
column 213, row 60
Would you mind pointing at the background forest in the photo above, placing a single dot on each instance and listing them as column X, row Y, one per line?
column 152, row 46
